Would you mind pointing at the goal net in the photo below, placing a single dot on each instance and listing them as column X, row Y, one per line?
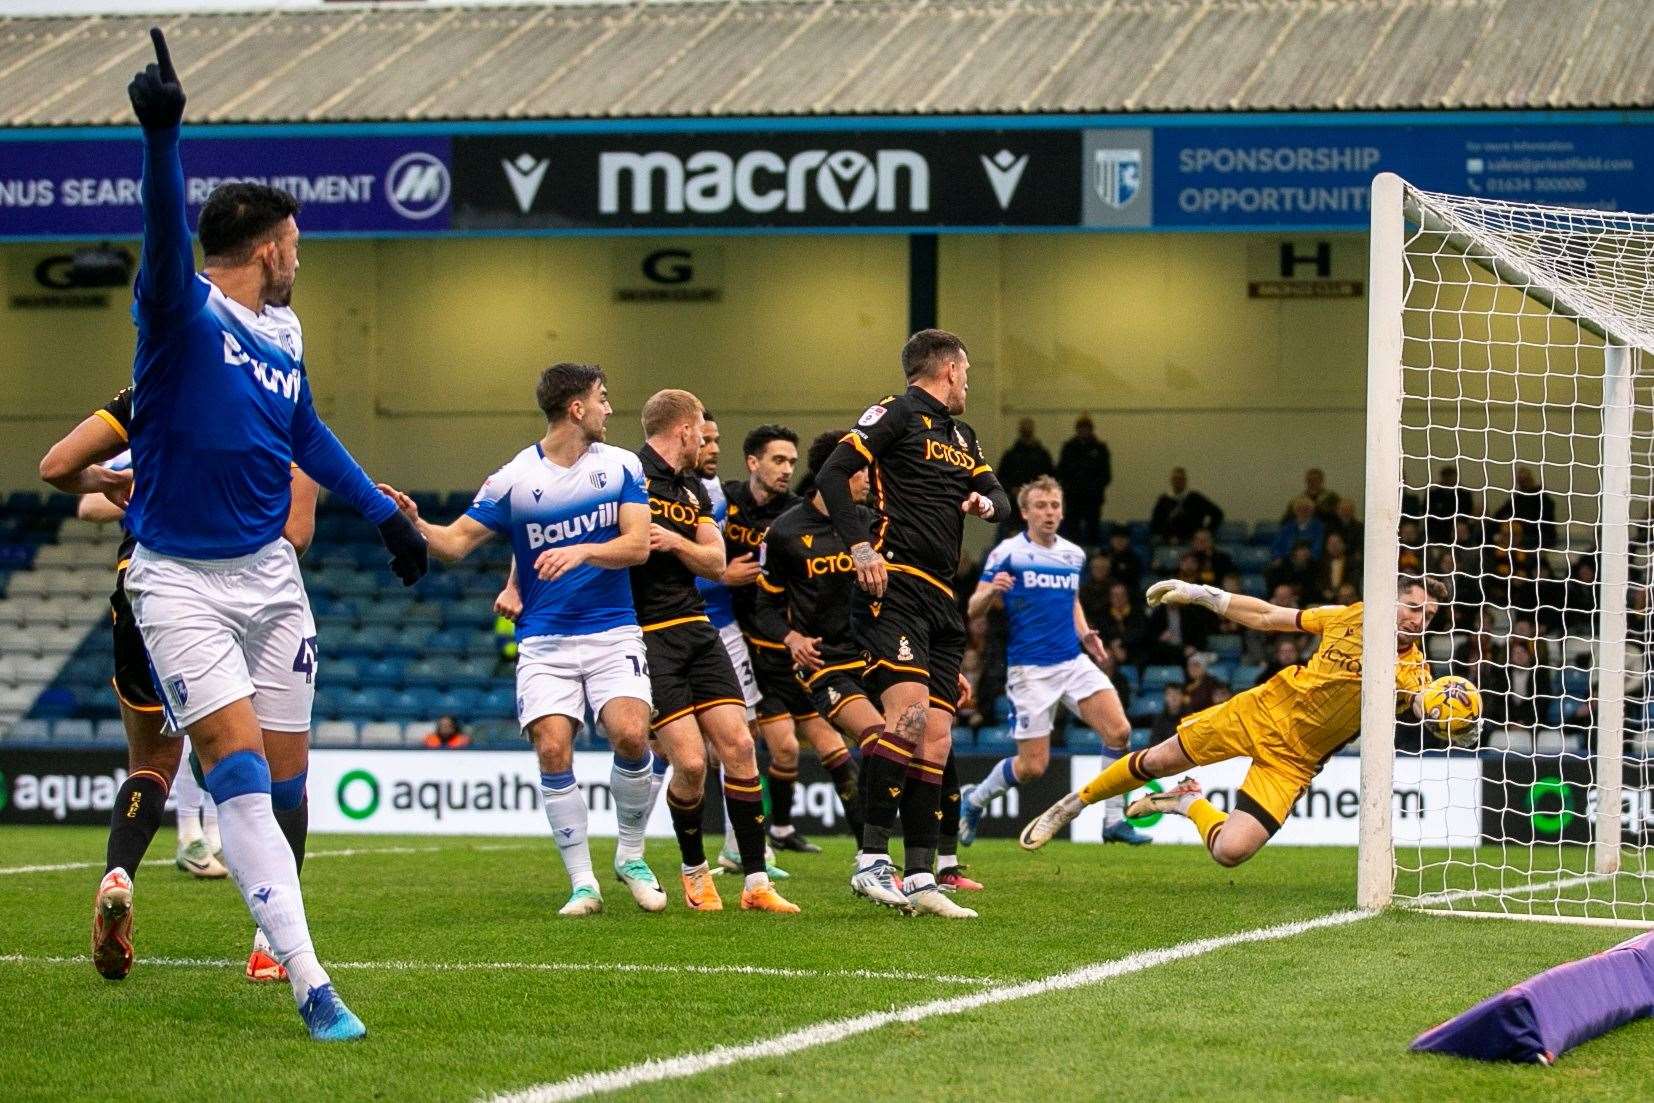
column 1510, row 455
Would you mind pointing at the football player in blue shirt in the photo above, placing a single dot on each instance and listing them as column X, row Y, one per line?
column 222, row 410
column 1052, row 656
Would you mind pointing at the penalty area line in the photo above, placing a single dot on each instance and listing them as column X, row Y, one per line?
column 540, row 967
column 836, row 1030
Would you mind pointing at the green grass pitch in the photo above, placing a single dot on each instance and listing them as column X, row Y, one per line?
column 471, row 986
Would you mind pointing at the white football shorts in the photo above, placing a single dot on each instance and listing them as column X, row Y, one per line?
column 1035, row 692
column 218, row 630
column 741, row 659
column 565, row 675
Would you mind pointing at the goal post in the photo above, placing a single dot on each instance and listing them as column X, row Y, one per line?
column 1510, row 454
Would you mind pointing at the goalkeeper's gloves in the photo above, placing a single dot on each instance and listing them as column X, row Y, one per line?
column 410, row 555
column 1176, row 592
column 157, row 96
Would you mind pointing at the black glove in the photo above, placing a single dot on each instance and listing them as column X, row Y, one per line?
column 157, row 97
column 410, row 555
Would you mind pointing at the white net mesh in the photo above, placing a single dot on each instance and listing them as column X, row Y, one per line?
column 1512, row 459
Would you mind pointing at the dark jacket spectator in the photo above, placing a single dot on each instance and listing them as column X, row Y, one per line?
column 1481, row 660
column 1301, row 525
column 1297, row 571
column 1201, row 688
column 1348, row 525
column 1322, row 500
column 1124, row 562
column 1176, row 630
column 448, row 735
column 1215, row 563
column 1026, row 460
column 1084, row 470
column 1410, row 556
column 1183, row 512
column 1122, row 620
column 1176, row 708
column 1338, row 566
column 1094, row 588
column 1287, row 653
column 1444, row 503
column 1535, row 509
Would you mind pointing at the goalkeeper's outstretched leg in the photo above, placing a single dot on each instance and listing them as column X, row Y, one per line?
column 1230, row 838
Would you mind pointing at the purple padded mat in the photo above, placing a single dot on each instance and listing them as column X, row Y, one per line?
column 1544, row 1017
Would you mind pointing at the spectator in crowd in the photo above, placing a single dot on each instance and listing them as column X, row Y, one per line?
column 1174, row 710
column 1298, row 571
column 1323, row 502
column 1084, row 471
column 1115, row 661
column 1509, row 573
column 1347, row 594
column 1094, row 587
column 449, row 735
column 1527, row 685
column 1287, row 652
column 1026, row 460
column 1200, row 688
column 1301, row 525
column 1577, row 711
column 1122, row 620
column 1444, row 503
column 1178, row 515
column 1480, row 659
column 1410, row 556
column 1348, row 525
column 1534, row 509
column 1214, row 562
column 1176, row 630
column 1125, row 564
column 1574, row 611
column 1338, row 566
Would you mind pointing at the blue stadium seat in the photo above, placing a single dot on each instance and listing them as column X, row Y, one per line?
column 1140, row 738
column 441, row 584
column 374, row 640
column 356, row 584
column 1130, row 676
column 332, row 557
column 1223, row 671
column 449, row 641
column 1264, row 533
column 329, row 703
column 1246, row 676
column 1082, row 740
column 389, row 671
column 55, row 703
column 72, row 731
column 1231, row 532
column 499, row 701
column 1165, row 559
column 1251, row 559
column 416, row 703
column 1226, row 644
column 432, row 670
column 408, row 641
column 367, row 703
column 1254, row 584
column 424, row 612
column 343, row 671
column 475, row 672
column 462, row 702
column 392, row 610
column 1156, row 678
column 481, row 644
column 1147, row 708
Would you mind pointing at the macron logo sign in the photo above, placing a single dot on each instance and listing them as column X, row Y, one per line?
column 761, row 181
column 525, row 174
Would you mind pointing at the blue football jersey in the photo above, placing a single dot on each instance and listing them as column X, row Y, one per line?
column 720, row 605
column 222, row 405
column 1040, row 604
column 540, row 505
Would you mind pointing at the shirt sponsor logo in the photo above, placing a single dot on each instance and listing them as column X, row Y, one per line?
column 572, row 528
column 829, row 564
column 1035, row 580
column 943, row 452
column 676, row 512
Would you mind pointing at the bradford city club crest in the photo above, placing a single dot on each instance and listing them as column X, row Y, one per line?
column 1119, row 173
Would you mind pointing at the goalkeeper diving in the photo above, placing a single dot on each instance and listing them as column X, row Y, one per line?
column 1288, row 726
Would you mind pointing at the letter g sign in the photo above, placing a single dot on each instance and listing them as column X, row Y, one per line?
column 669, row 266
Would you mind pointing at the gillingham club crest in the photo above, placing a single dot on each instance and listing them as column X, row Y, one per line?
column 1118, row 175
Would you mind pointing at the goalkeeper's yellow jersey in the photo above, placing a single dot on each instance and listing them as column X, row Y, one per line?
column 1318, row 704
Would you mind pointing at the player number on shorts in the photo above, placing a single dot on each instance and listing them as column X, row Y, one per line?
column 305, row 661
column 640, row 667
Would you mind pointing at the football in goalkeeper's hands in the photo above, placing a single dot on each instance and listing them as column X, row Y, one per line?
column 1452, row 707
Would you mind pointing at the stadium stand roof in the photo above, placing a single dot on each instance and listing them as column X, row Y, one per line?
column 418, row 61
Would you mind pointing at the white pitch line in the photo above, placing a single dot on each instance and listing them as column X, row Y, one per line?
column 1436, row 898
column 836, row 1030
column 347, row 852
column 539, row 967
